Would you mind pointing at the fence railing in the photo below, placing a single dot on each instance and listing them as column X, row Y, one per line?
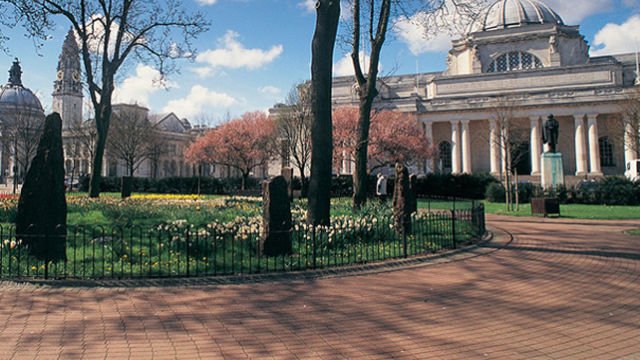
column 119, row 253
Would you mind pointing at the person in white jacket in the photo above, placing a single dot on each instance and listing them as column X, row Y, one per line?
column 381, row 188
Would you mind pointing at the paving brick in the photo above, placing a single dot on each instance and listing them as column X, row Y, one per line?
column 542, row 288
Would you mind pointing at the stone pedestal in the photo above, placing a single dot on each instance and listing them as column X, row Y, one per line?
column 552, row 172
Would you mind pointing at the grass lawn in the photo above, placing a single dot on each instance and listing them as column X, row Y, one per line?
column 576, row 211
column 635, row 232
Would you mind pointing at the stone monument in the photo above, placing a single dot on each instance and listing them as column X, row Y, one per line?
column 276, row 218
column 41, row 222
column 552, row 172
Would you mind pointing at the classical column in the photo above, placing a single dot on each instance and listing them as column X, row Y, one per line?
column 494, row 148
column 581, row 151
column 428, row 132
column 466, row 148
column 594, row 146
column 536, row 140
column 630, row 141
column 455, row 148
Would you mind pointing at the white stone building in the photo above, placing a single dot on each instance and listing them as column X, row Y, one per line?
column 175, row 134
column 523, row 57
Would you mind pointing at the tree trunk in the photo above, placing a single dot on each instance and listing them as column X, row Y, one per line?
column 367, row 92
column 327, row 19
column 245, row 176
column 102, row 129
column 360, row 175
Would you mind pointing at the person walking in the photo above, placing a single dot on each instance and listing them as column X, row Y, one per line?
column 381, row 188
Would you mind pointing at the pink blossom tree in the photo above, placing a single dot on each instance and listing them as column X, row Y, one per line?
column 242, row 143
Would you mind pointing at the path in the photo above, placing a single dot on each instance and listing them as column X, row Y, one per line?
column 561, row 289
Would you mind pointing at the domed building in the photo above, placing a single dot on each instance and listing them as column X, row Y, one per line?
column 519, row 64
column 21, row 121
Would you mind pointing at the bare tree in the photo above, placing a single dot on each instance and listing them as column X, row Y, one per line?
column 293, row 130
column 34, row 22
column 20, row 135
column 510, row 139
column 630, row 122
column 322, row 46
column 153, row 31
column 372, row 18
column 133, row 138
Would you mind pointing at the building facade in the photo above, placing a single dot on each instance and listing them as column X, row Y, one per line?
column 171, row 135
column 21, row 123
column 519, row 64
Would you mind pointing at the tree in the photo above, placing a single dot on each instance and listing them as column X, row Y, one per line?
column 395, row 137
column 20, row 136
column 34, row 22
column 510, row 138
column 153, row 31
column 372, row 17
column 293, row 130
column 241, row 143
column 133, row 137
column 630, row 122
column 322, row 46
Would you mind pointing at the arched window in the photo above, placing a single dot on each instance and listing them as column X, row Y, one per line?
column 444, row 155
column 606, row 152
column 515, row 60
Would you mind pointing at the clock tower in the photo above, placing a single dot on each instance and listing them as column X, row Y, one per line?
column 67, row 89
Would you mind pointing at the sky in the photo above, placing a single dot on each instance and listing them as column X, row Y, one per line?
column 257, row 50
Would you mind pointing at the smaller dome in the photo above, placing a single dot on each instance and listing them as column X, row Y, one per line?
column 19, row 98
column 16, row 98
column 515, row 13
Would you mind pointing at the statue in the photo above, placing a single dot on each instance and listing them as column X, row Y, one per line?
column 550, row 133
column 15, row 73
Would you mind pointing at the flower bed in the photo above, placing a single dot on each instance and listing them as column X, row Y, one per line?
column 159, row 236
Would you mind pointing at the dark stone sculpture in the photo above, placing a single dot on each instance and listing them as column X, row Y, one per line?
column 41, row 222
column 550, row 133
column 15, row 73
column 402, row 201
column 276, row 210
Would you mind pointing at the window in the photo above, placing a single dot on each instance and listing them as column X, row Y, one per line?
column 514, row 60
column 444, row 151
column 606, row 152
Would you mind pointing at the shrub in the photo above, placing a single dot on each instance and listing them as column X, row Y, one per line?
column 175, row 185
column 495, row 192
column 469, row 186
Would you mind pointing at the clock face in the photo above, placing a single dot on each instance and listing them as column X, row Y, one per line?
column 60, row 75
column 76, row 76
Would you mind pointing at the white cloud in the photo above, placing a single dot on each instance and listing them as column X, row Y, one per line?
column 233, row 54
column 207, row 2
column 344, row 67
column 412, row 32
column 198, row 101
column 617, row 38
column 139, row 87
column 573, row 12
column 271, row 90
column 308, row 5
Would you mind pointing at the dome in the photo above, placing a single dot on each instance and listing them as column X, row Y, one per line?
column 16, row 98
column 514, row 13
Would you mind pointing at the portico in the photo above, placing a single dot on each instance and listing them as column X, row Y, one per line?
column 520, row 64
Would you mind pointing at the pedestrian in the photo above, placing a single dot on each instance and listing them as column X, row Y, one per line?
column 381, row 188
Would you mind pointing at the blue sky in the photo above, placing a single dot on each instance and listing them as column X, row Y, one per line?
column 257, row 50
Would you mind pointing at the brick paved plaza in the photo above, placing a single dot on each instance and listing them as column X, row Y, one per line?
column 559, row 289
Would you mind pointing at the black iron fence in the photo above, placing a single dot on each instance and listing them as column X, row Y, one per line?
column 183, row 250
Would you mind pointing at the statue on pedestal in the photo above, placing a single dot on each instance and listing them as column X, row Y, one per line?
column 550, row 133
